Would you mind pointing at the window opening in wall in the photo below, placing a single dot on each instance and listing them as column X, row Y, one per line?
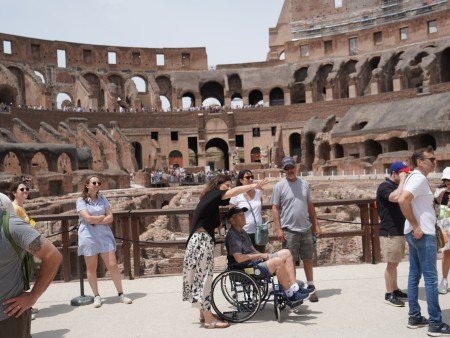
column 404, row 33
column 87, row 55
column 328, row 46
column 136, row 58
column 353, row 46
column 165, row 103
column 160, row 60
column 377, row 38
column 61, row 58
column 337, row 3
column 36, row 51
column 432, row 27
column 154, row 135
column 239, row 141
column 304, row 50
column 140, row 84
column 185, row 59
column 282, row 56
column 112, row 58
column 7, row 47
column 40, row 76
column 273, row 130
column 256, row 132
column 174, row 136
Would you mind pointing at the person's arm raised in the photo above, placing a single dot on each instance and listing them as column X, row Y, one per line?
column 244, row 188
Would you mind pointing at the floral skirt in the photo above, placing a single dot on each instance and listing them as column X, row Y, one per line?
column 198, row 270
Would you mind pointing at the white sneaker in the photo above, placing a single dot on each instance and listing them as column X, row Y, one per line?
column 125, row 300
column 443, row 286
column 97, row 301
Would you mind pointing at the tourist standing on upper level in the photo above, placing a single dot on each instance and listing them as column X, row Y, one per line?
column 417, row 204
column 15, row 302
column 95, row 237
column 199, row 256
column 392, row 223
column 252, row 200
column 442, row 198
column 295, row 219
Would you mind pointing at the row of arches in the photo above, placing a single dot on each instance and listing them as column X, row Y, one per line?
column 12, row 162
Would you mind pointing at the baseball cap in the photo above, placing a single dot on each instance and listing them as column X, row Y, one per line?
column 234, row 211
column 287, row 161
column 5, row 203
column 399, row 167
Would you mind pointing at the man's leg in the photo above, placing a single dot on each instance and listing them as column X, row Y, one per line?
column 292, row 243
column 276, row 265
column 17, row 327
column 390, row 276
column 415, row 271
column 286, row 256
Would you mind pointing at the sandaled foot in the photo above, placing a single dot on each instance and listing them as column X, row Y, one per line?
column 202, row 320
column 216, row 325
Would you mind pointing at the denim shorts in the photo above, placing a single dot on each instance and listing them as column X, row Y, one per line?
column 300, row 244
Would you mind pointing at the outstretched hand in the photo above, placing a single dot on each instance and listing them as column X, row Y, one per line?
column 261, row 184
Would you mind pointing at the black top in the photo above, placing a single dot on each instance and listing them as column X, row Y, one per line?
column 207, row 215
column 392, row 221
column 445, row 198
column 238, row 242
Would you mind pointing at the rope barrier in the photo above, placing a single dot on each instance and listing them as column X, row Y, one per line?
column 63, row 232
column 345, row 222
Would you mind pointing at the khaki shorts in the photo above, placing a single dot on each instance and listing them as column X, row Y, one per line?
column 393, row 248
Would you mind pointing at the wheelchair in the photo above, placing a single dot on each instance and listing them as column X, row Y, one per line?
column 239, row 292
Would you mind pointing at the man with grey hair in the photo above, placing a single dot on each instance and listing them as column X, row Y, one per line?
column 15, row 302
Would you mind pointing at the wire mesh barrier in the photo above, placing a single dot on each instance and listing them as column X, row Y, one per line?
column 127, row 224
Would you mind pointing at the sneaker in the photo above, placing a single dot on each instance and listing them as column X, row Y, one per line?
column 417, row 322
column 313, row 294
column 299, row 295
column 97, row 301
column 125, row 300
column 443, row 286
column 439, row 330
column 400, row 294
column 391, row 299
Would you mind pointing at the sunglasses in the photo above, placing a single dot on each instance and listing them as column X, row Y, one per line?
column 432, row 159
column 24, row 189
column 249, row 177
column 97, row 183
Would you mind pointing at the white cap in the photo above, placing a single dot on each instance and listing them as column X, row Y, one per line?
column 5, row 203
column 446, row 174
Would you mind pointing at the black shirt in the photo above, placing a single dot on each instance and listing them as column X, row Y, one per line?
column 392, row 220
column 445, row 198
column 207, row 215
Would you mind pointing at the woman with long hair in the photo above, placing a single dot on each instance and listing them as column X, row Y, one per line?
column 95, row 237
column 252, row 200
column 442, row 198
column 18, row 194
column 199, row 256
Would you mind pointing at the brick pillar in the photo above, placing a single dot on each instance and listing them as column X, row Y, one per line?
column 397, row 83
column 329, row 93
column 374, row 87
column 352, row 91
column 287, row 98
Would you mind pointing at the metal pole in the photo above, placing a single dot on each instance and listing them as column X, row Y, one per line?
column 82, row 299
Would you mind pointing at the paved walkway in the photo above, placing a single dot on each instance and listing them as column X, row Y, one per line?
column 351, row 305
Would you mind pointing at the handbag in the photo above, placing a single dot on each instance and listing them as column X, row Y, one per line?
column 440, row 240
column 262, row 229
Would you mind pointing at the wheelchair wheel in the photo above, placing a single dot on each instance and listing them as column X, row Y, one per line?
column 235, row 296
column 278, row 305
column 264, row 289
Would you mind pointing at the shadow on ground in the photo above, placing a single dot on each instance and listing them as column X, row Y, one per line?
column 133, row 296
column 51, row 334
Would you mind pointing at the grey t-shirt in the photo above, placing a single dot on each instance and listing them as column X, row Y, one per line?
column 11, row 282
column 292, row 199
column 238, row 242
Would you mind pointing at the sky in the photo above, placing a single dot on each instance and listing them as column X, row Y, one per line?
column 233, row 31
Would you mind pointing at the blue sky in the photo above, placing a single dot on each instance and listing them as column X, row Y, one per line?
column 233, row 31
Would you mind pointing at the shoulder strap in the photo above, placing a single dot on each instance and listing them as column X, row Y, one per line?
column 251, row 209
column 5, row 226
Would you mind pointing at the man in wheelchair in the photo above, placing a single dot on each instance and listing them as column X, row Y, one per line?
column 280, row 263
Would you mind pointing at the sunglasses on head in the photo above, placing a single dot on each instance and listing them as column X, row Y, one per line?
column 24, row 189
column 249, row 177
column 97, row 183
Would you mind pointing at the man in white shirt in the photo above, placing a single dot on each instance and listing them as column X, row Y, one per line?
column 416, row 202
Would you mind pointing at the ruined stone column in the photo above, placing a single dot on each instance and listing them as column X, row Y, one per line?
column 397, row 83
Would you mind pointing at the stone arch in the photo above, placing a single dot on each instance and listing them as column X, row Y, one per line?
column 8, row 94
column 445, row 65
column 118, row 88
column 282, row 56
column 255, row 97
column 193, row 158
column 415, row 74
column 322, row 76
column 367, row 74
column 165, row 87
column 234, row 83
column 141, row 83
column 63, row 101
column 11, row 164
column 309, row 150
column 301, row 74
column 338, row 150
column 223, row 147
column 396, row 144
column 176, row 159
column 295, row 145
column 188, row 100
column 255, row 155
column 372, row 148
column 39, row 164
column 344, row 77
column 298, row 87
column 20, row 76
column 94, row 83
column 237, row 101
column 64, row 164
column 212, row 89
column 166, row 105
column 425, row 140
column 276, row 97
column 387, row 85
column 324, row 151
column 40, row 76
column 358, row 125
column 137, row 154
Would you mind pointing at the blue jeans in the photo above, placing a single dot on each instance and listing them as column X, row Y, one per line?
column 422, row 259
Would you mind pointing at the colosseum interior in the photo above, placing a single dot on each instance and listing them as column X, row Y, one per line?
column 347, row 87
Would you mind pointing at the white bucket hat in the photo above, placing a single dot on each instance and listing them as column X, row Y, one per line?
column 446, row 174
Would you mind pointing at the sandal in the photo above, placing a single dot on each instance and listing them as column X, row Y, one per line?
column 216, row 325
column 202, row 320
